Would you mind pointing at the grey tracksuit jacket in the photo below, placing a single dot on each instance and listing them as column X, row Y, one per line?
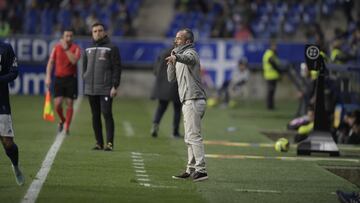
column 187, row 73
column 101, row 67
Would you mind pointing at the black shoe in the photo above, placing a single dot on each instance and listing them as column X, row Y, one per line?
column 108, row 147
column 98, row 147
column 198, row 176
column 154, row 130
column 60, row 127
column 348, row 197
column 182, row 176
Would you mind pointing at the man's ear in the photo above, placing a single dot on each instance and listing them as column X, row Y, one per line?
column 188, row 41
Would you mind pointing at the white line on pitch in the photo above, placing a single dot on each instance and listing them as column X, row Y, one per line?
column 145, row 184
column 138, row 160
column 142, row 175
column 143, row 179
column 129, row 130
column 36, row 185
column 257, row 191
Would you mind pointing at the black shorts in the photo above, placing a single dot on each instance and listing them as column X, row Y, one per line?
column 66, row 87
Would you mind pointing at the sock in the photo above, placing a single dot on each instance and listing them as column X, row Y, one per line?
column 69, row 113
column 13, row 154
column 59, row 111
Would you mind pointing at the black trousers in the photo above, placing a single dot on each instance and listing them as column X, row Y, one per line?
column 270, row 93
column 161, row 108
column 101, row 104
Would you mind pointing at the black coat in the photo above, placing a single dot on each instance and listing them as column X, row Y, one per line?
column 101, row 67
column 8, row 73
column 163, row 89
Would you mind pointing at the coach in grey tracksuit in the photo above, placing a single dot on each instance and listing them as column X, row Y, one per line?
column 184, row 66
column 101, row 73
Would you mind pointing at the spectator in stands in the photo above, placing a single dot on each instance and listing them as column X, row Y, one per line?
column 242, row 32
column 338, row 55
column 165, row 92
column 91, row 20
column 304, row 130
column 15, row 20
column 231, row 88
column 355, row 44
column 78, row 24
column 306, row 88
column 315, row 35
column 272, row 73
column 348, row 6
column 349, row 130
column 4, row 28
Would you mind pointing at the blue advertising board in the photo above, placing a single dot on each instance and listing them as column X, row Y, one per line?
column 218, row 57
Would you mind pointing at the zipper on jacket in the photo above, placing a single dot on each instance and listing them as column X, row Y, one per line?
column 93, row 75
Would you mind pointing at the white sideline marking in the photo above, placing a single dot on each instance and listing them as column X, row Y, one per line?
column 143, row 179
column 129, row 130
column 36, row 185
column 138, row 160
column 145, row 184
column 257, row 191
column 142, row 175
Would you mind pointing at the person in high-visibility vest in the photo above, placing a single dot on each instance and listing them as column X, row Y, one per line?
column 337, row 55
column 271, row 73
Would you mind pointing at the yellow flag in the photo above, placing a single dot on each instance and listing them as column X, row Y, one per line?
column 48, row 114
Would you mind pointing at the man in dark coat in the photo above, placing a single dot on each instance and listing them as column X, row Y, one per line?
column 101, row 73
column 165, row 92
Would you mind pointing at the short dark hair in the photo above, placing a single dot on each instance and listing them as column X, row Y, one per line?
column 98, row 24
column 67, row 29
column 243, row 60
column 189, row 34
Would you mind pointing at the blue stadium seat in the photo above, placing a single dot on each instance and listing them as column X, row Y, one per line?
column 64, row 17
column 47, row 21
column 31, row 18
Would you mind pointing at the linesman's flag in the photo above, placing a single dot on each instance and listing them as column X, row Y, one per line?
column 48, row 114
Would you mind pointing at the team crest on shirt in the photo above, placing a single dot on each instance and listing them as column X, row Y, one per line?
column 102, row 54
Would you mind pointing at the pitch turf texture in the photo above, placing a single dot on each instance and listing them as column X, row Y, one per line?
column 82, row 175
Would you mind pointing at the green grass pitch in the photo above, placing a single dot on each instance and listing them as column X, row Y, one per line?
column 79, row 174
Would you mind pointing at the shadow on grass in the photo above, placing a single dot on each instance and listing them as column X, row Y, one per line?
column 349, row 173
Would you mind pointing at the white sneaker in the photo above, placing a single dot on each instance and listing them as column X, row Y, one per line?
column 19, row 177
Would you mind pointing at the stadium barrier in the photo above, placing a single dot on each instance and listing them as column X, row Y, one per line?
column 218, row 57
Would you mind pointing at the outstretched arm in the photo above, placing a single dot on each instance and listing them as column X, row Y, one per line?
column 188, row 58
